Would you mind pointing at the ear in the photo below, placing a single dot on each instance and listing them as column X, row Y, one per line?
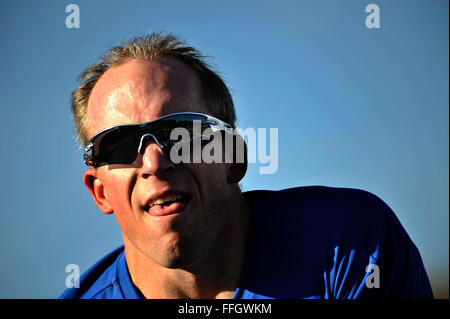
column 236, row 170
column 97, row 189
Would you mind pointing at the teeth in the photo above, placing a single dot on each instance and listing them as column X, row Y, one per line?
column 163, row 200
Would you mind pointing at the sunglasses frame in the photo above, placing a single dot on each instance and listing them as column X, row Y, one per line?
column 215, row 124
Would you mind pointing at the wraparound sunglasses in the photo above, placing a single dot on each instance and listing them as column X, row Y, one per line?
column 121, row 144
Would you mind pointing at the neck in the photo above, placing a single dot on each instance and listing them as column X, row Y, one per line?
column 215, row 276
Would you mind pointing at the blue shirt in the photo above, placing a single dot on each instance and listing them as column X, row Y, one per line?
column 306, row 242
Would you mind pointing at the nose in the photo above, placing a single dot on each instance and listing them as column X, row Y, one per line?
column 154, row 161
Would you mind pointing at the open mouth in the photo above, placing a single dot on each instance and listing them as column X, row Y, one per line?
column 167, row 205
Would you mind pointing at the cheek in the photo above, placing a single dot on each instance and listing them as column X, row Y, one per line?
column 118, row 188
column 211, row 180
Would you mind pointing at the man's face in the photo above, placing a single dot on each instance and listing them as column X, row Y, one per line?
column 137, row 92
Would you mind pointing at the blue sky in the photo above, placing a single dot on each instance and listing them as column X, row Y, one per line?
column 354, row 107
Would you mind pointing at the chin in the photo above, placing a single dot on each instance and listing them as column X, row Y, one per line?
column 180, row 254
column 174, row 261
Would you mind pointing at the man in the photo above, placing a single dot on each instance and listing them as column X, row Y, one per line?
column 188, row 230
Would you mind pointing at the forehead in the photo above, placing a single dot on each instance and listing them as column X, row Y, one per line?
column 140, row 91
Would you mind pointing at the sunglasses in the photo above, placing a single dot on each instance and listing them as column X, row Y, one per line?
column 121, row 144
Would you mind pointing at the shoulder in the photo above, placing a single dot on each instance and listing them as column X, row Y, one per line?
column 327, row 211
column 99, row 281
column 325, row 238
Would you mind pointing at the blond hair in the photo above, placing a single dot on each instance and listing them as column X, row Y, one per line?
column 155, row 45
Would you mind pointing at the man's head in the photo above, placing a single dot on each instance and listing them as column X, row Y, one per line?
column 170, row 213
column 153, row 47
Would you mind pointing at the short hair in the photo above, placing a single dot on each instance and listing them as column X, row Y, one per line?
column 215, row 92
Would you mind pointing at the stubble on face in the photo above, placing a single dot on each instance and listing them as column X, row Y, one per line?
column 137, row 92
